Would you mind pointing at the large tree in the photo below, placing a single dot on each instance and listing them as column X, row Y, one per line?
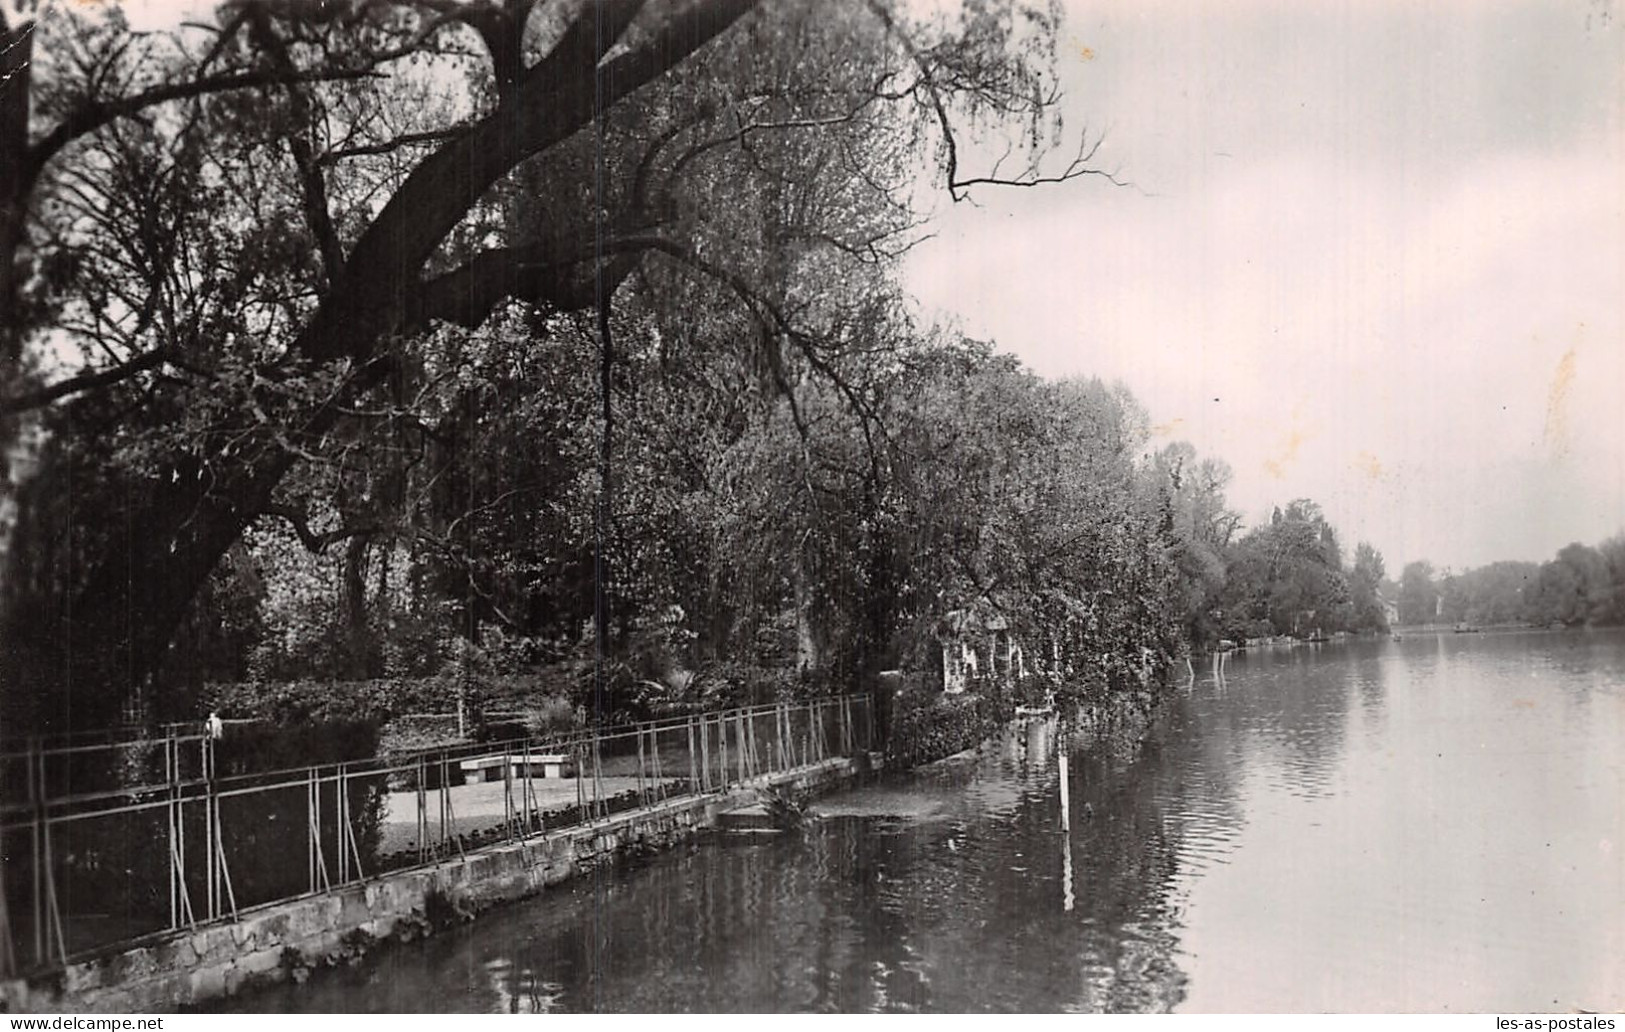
column 1287, row 577
column 1418, row 594
column 1365, row 589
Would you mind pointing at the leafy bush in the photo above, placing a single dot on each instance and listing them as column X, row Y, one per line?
column 250, row 748
column 927, row 725
column 552, row 717
column 302, row 702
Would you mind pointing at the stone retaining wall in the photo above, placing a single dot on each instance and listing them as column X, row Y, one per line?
column 182, row 968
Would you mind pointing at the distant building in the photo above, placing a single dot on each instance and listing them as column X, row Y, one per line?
column 1390, row 610
column 977, row 643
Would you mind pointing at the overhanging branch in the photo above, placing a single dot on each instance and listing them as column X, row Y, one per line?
column 314, row 542
column 40, row 398
column 93, row 116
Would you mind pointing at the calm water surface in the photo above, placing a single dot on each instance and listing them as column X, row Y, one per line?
column 1433, row 824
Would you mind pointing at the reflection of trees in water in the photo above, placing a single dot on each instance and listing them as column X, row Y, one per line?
column 963, row 912
column 1127, row 842
column 948, row 915
column 1292, row 705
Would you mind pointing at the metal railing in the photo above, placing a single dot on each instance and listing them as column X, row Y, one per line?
column 107, row 843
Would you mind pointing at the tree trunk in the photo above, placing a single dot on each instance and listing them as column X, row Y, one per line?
column 809, row 647
column 16, row 52
column 357, row 634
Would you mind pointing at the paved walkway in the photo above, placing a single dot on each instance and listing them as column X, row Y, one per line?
column 480, row 806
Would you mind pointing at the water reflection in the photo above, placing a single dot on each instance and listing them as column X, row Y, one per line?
column 1416, row 825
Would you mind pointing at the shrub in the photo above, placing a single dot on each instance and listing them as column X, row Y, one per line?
column 552, row 717
column 927, row 725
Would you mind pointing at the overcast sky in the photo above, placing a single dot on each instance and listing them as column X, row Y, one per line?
column 1375, row 257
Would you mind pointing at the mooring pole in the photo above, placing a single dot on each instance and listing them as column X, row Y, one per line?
column 36, row 830
column 1068, row 899
column 1066, row 797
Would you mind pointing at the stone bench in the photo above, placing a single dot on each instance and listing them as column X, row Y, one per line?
column 540, row 765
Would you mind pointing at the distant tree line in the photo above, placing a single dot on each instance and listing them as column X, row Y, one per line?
column 1582, row 585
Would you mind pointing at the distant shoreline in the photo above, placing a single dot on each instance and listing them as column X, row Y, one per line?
column 1450, row 628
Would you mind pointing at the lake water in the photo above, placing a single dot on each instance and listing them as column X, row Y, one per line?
column 1434, row 824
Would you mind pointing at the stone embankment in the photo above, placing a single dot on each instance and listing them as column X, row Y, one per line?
column 282, row 940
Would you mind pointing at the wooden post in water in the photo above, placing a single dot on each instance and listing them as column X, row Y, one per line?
column 1067, row 897
column 1066, row 797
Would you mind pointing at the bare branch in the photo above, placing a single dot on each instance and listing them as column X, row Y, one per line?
column 554, row 100
column 313, row 184
column 38, row 399
column 93, row 116
column 333, row 157
column 1077, row 169
column 774, row 316
column 314, row 542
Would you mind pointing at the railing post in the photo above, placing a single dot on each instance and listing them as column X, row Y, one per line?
column 229, row 895
column 448, row 810
column 36, row 810
column 340, row 808
column 598, row 775
column 169, row 815
column 722, row 737
column 579, row 750
column 704, row 754
column 180, row 897
column 347, row 833
column 310, row 831
column 750, row 738
column 693, row 770
column 508, row 814
column 53, row 907
column 8, row 953
column 443, row 788
column 815, row 731
column 659, row 774
column 319, row 881
column 643, row 793
column 423, row 809
column 210, row 903
column 528, row 794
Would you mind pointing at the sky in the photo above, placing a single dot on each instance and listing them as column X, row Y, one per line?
column 1373, row 254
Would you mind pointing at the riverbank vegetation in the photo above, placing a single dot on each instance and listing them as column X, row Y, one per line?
column 316, row 371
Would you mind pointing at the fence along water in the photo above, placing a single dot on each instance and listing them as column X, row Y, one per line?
column 106, row 843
